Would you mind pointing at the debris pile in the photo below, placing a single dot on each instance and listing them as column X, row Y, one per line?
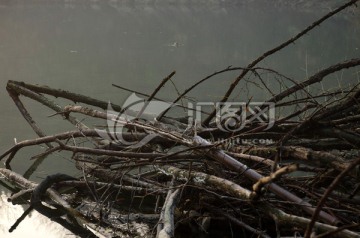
column 251, row 172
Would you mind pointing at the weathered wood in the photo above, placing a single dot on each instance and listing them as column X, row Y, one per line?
column 254, row 176
column 203, row 174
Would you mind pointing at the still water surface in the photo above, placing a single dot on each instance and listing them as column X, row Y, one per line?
column 85, row 47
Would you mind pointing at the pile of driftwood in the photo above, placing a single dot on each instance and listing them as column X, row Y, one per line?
column 199, row 177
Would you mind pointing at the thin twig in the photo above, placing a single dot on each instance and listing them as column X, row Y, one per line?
column 274, row 50
column 326, row 194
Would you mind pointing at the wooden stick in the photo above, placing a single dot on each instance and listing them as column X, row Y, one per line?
column 154, row 93
column 274, row 50
column 326, row 194
column 166, row 223
column 235, row 165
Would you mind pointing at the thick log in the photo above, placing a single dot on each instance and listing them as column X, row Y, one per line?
column 233, row 164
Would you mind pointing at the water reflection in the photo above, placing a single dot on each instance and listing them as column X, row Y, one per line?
column 33, row 226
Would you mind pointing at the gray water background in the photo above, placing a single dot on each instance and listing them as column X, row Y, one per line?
column 85, row 46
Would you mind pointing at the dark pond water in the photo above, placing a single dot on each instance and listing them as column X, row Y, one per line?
column 84, row 47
